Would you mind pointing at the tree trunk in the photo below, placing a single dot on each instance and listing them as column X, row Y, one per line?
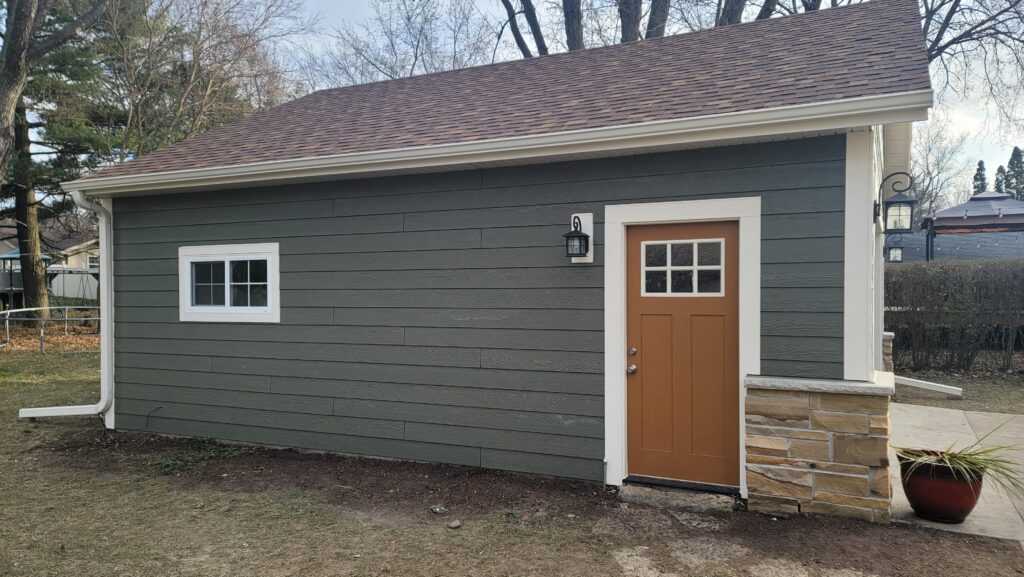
column 33, row 269
column 629, row 16
column 573, row 24
column 517, row 34
column 538, row 35
column 658, row 19
column 767, row 9
column 732, row 12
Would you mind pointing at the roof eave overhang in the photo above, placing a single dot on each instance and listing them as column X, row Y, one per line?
column 617, row 140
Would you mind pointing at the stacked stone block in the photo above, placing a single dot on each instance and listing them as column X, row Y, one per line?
column 814, row 452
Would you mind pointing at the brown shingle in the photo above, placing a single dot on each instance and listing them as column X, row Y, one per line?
column 866, row 49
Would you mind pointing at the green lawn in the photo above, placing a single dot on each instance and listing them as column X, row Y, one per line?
column 76, row 500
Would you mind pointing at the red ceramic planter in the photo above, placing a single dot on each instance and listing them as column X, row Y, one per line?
column 936, row 494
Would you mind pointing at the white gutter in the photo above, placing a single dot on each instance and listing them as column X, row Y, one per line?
column 103, row 406
column 834, row 115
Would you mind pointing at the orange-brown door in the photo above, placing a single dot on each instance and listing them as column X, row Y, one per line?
column 683, row 352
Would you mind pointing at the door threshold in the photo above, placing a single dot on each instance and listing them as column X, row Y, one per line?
column 685, row 485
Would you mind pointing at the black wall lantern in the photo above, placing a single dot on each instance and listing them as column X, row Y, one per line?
column 898, row 209
column 577, row 240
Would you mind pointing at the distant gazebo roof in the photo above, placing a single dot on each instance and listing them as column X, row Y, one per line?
column 985, row 212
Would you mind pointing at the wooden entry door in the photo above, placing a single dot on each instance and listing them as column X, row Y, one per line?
column 683, row 352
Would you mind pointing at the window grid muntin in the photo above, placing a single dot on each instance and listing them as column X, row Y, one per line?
column 249, row 286
column 695, row 267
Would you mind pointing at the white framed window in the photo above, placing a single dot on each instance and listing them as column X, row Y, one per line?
column 895, row 254
column 230, row 283
column 682, row 268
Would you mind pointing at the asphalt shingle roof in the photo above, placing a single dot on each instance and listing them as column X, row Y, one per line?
column 868, row 49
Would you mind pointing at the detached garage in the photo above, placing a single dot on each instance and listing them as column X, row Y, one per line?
column 656, row 262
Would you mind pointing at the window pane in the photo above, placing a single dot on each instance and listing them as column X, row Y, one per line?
column 682, row 281
column 201, row 295
column 239, row 271
column 201, row 272
column 709, row 254
column 682, row 254
column 655, row 255
column 257, row 271
column 656, row 281
column 258, row 295
column 239, row 295
column 217, row 292
column 217, row 272
column 709, row 281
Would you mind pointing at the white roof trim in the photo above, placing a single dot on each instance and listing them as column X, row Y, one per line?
column 633, row 138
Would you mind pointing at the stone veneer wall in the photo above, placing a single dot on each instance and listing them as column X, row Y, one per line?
column 814, row 452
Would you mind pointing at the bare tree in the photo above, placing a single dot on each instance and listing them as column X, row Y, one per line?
column 629, row 19
column 939, row 167
column 25, row 41
column 573, row 14
column 657, row 19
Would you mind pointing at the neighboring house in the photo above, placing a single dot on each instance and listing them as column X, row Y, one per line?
column 380, row 270
column 974, row 246
column 71, row 251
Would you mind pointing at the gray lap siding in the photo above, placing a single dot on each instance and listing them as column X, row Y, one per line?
column 435, row 317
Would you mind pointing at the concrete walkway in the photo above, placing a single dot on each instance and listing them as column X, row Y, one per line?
column 920, row 427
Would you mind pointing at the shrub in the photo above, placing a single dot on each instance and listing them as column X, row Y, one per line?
column 945, row 313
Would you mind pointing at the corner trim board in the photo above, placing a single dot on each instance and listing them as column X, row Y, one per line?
column 745, row 210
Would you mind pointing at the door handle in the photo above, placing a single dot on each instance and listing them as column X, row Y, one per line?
column 631, row 369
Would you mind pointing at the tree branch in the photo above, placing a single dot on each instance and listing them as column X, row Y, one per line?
column 531, row 18
column 68, row 32
column 513, row 25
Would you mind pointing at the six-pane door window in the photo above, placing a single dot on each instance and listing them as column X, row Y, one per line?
column 682, row 267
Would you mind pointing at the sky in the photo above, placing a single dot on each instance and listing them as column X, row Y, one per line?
column 984, row 140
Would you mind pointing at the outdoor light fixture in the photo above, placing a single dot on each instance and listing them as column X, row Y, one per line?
column 577, row 240
column 899, row 208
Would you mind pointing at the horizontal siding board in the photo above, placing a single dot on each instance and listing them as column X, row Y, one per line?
column 802, row 369
column 429, row 356
column 169, row 314
column 491, row 318
column 806, row 200
column 816, row 349
column 526, row 340
column 563, row 277
column 795, row 250
column 226, row 398
column 808, row 225
column 789, row 300
column 232, row 214
column 807, row 324
column 543, row 361
column 592, row 469
column 498, row 258
column 803, row 275
column 258, row 332
column 531, row 401
column 184, row 377
column 528, row 298
column 572, row 425
column 345, row 444
column 276, row 419
column 588, row 448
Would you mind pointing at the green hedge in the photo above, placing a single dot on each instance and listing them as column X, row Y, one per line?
column 945, row 313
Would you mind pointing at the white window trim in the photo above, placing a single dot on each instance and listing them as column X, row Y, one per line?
column 746, row 210
column 669, row 267
column 228, row 314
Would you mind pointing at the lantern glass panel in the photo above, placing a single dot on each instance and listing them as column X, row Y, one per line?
column 898, row 217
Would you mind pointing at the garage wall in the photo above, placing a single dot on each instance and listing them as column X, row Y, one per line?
column 435, row 317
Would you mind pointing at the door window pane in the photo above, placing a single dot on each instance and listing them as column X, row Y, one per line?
column 655, row 254
column 682, row 281
column 655, row 281
column 709, row 254
column 709, row 281
column 682, row 254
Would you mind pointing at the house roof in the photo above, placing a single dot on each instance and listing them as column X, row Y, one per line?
column 846, row 53
column 988, row 210
column 976, row 246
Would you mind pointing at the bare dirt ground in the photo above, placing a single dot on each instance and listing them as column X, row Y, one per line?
column 990, row 391
column 78, row 500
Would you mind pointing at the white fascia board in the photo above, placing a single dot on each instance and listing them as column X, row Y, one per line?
column 634, row 138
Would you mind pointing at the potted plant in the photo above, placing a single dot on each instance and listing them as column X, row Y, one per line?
column 944, row 485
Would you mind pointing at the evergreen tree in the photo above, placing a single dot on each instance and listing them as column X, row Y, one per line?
column 980, row 180
column 1015, row 174
column 1000, row 182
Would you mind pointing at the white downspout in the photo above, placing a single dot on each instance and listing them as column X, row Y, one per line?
column 106, row 324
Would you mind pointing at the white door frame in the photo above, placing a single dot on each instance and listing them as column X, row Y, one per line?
column 745, row 210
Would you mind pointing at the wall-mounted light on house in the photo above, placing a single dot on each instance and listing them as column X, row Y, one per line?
column 898, row 208
column 578, row 245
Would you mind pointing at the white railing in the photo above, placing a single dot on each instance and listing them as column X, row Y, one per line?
column 64, row 318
